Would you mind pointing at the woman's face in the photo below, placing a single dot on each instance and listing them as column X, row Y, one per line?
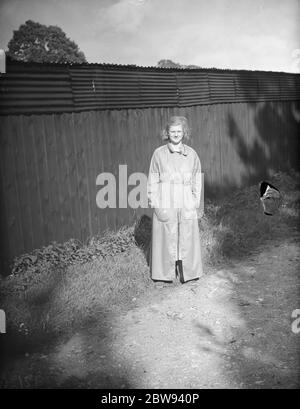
column 175, row 134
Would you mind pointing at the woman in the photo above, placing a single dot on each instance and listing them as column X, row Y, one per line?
column 174, row 190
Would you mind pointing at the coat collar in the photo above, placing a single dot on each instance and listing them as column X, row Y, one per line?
column 183, row 149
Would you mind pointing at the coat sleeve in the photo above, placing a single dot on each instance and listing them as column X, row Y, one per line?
column 153, row 182
column 196, row 181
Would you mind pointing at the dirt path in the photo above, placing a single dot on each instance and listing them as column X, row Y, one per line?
column 230, row 329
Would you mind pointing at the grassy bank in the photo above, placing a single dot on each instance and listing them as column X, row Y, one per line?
column 52, row 293
column 235, row 226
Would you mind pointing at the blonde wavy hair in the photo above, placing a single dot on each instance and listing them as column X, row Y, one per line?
column 176, row 120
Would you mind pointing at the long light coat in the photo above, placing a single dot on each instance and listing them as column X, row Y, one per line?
column 174, row 191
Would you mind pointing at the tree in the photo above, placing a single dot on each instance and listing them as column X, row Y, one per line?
column 168, row 64
column 171, row 64
column 39, row 43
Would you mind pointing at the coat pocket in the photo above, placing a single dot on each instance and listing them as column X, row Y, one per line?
column 163, row 214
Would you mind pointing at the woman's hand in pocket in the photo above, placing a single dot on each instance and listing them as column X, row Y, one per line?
column 163, row 215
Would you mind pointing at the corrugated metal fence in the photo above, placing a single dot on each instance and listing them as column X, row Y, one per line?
column 49, row 160
column 51, row 88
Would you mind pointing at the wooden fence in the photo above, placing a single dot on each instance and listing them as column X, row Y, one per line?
column 49, row 163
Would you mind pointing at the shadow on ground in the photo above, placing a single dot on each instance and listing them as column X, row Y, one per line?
column 82, row 359
column 254, row 344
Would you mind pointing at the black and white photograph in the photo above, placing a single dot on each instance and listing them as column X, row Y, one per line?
column 149, row 197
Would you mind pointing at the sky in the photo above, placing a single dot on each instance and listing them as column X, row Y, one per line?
column 236, row 34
